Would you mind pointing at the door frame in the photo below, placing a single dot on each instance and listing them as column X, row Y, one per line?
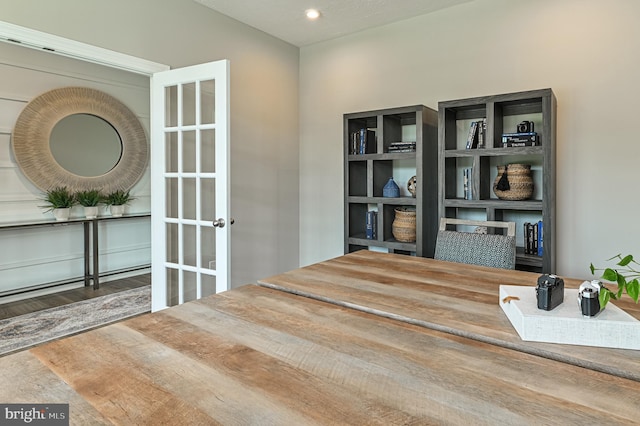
column 33, row 39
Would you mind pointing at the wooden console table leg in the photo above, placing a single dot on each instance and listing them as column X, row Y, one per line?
column 96, row 268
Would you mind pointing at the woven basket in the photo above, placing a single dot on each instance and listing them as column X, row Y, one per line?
column 520, row 182
column 403, row 227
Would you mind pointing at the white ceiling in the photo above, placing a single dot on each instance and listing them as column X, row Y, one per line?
column 285, row 19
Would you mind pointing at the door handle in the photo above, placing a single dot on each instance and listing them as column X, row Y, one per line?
column 219, row 223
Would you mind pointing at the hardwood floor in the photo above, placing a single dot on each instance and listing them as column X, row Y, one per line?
column 21, row 307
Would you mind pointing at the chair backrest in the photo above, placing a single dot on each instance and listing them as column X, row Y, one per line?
column 487, row 249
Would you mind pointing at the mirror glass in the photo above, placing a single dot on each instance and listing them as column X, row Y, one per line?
column 85, row 145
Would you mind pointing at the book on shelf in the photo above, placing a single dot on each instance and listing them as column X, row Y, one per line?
column 402, row 146
column 363, row 141
column 528, row 238
column 533, row 238
column 482, row 133
column 520, row 139
column 472, row 137
column 540, row 238
column 518, row 144
column 371, row 225
column 467, row 184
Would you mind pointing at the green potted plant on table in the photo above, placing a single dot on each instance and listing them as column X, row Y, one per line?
column 116, row 201
column 59, row 201
column 625, row 273
column 89, row 199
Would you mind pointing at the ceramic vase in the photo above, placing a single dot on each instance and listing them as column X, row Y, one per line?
column 116, row 210
column 391, row 189
column 90, row 212
column 62, row 214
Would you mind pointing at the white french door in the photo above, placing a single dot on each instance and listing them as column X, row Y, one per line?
column 190, row 183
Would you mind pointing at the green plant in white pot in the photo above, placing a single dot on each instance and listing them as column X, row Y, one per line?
column 90, row 200
column 116, row 201
column 59, row 200
column 625, row 273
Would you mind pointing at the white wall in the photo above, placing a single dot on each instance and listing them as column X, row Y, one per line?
column 585, row 50
column 264, row 104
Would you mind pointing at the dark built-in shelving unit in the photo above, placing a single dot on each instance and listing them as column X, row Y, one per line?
column 366, row 174
column 502, row 113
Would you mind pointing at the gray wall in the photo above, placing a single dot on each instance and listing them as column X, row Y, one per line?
column 585, row 50
column 264, row 104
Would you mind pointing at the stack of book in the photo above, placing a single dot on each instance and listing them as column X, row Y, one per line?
column 477, row 134
column 533, row 238
column 402, row 147
column 520, row 139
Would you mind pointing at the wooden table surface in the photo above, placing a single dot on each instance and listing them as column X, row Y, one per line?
column 257, row 355
column 447, row 297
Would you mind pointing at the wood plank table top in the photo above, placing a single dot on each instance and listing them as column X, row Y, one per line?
column 444, row 296
column 365, row 338
column 255, row 355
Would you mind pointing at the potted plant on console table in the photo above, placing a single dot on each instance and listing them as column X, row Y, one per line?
column 89, row 199
column 625, row 275
column 59, row 201
column 116, row 201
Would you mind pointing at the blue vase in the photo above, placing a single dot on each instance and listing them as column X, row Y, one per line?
column 391, row 189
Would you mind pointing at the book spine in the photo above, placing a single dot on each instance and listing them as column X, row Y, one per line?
column 402, row 144
column 362, row 141
column 371, row 225
column 540, row 238
column 482, row 133
column 516, row 134
column 534, row 242
column 355, row 137
column 528, row 238
column 472, row 138
column 517, row 144
column 520, row 138
column 467, row 188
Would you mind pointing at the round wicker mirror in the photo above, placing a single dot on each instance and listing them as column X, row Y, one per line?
column 32, row 150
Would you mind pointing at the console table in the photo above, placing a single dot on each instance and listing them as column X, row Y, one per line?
column 91, row 239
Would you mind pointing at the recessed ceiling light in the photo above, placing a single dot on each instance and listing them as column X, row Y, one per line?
column 312, row 14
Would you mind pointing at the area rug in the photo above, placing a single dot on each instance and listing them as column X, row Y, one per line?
column 32, row 329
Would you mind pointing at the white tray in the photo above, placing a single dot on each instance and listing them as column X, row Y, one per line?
column 611, row 328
